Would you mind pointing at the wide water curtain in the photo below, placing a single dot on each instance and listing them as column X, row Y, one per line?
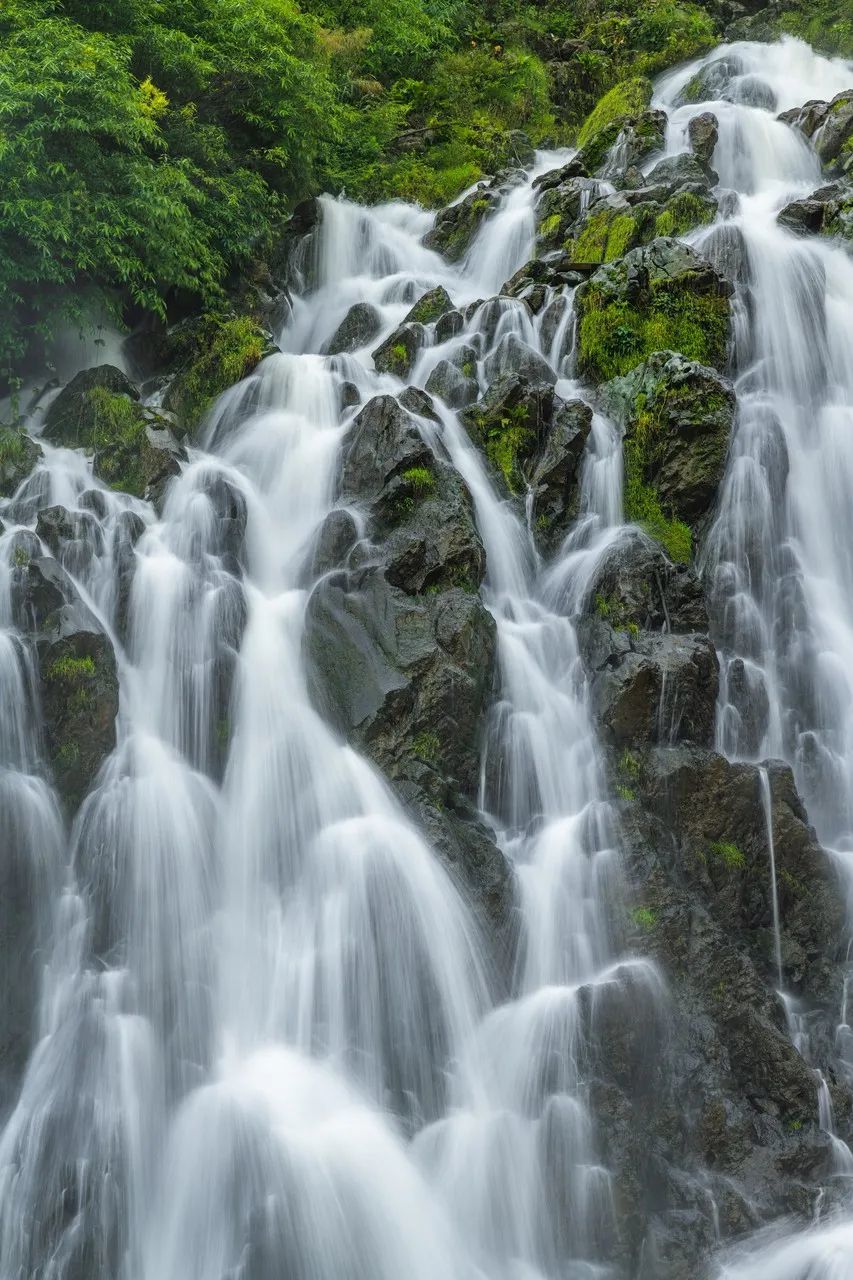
column 426, row 770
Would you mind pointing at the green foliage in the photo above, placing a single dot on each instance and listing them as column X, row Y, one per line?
column 625, row 793
column 20, row 557
column 615, row 336
column 420, row 479
column 645, row 918
column 213, row 353
column 629, row 98
column 643, row 507
column 730, row 854
column 504, row 440
column 71, row 670
column 426, row 747
column 826, row 24
column 684, row 212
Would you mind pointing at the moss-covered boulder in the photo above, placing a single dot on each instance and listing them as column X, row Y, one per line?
column 827, row 212
column 398, row 353
column 662, row 296
column 677, row 416
column 431, row 306
column 559, row 208
column 208, row 355
column 79, row 682
column 456, row 226
column 19, row 454
column 73, row 418
column 624, row 101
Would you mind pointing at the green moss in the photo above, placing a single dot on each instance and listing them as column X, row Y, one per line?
column 614, row 337
column 628, row 98
column 645, row 918
column 20, row 557
column 398, row 358
column 605, row 236
column 550, row 226
column 15, row 447
column 220, row 351
column 70, row 670
column 426, row 747
column 643, row 507
column 68, row 755
column 625, row 793
column 729, row 853
column 420, row 479
column 684, row 212
column 629, row 765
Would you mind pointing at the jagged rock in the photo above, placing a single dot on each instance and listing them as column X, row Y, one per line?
column 451, row 384
column 509, row 424
column 641, row 138
column 456, row 226
column 398, row 353
column 522, row 148
column 660, row 295
column 660, row 688
column 406, row 676
column 19, row 454
column 703, row 132
column 513, row 357
column 73, row 417
column 712, row 80
column 637, row 586
column 715, row 811
column 833, row 139
column 207, row 355
column 73, row 537
column 678, row 418
column 79, row 683
column 142, row 457
column 292, row 258
column 359, row 326
column 678, row 171
column 725, row 248
column 612, row 226
column 536, row 279
column 560, row 206
column 421, row 509
column 430, row 307
column 556, row 471
column 449, row 325
column 828, row 212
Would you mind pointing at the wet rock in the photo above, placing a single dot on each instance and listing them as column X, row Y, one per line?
column 407, row 677
column 752, row 91
column 514, row 357
column 556, row 471
column 292, row 260
column 360, row 325
column 703, row 132
column 660, row 688
column 451, row 384
column 828, row 212
column 449, row 325
column 73, row 537
column 140, row 456
column 522, row 149
column 509, row 424
column 661, row 295
column 712, row 80
column 833, row 139
column 74, row 416
column 19, row 454
column 636, row 586
column 79, row 682
column 208, row 354
column 679, row 171
column 559, row 208
column 430, row 307
column 678, row 418
column 398, row 353
column 715, row 811
column 641, row 139
column 456, row 226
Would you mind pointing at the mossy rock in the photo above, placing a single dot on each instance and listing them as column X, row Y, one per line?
column 663, row 296
column 398, row 353
column 456, row 227
column 210, row 354
column 80, row 700
column 19, row 453
column 625, row 100
column 827, row 212
column 431, row 306
column 135, row 450
column 677, row 416
column 74, row 418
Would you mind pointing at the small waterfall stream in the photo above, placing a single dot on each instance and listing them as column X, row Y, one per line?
column 268, row 1039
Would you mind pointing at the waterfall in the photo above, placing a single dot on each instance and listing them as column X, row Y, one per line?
column 268, row 1040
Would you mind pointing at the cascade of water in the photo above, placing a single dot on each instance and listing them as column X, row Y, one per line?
column 777, row 562
column 767, row 803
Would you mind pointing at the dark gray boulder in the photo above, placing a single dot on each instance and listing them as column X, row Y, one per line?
column 359, row 326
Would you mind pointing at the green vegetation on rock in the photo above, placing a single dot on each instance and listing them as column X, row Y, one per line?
column 643, row 507
column 420, row 479
column 729, row 853
column 626, row 99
